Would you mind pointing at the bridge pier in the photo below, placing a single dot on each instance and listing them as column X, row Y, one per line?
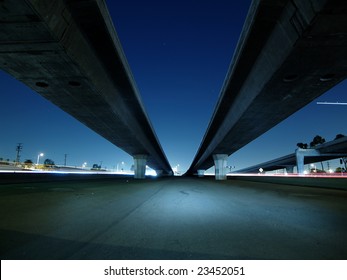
column 290, row 169
column 140, row 162
column 300, row 157
column 220, row 164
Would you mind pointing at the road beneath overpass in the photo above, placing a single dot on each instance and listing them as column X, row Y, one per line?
column 172, row 218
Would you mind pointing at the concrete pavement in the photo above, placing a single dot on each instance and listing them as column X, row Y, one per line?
column 172, row 218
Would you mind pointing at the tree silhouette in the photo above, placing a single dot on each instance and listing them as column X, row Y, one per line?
column 338, row 136
column 302, row 145
column 96, row 166
column 317, row 140
column 48, row 163
column 28, row 163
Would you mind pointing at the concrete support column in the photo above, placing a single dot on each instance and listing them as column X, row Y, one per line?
column 300, row 161
column 290, row 169
column 140, row 162
column 300, row 157
column 159, row 173
column 201, row 173
column 220, row 164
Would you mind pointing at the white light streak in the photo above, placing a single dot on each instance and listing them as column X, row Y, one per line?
column 331, row 103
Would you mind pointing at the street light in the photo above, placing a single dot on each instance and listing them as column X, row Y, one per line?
column 38, row 158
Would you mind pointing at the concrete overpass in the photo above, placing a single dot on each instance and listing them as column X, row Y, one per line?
column 289, row 53
column 329, row 150
column 68, row 52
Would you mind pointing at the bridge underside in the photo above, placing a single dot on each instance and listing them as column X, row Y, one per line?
column 68, row 52
column 289, row 53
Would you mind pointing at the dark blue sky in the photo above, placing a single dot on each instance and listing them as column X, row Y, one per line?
column 179, row 53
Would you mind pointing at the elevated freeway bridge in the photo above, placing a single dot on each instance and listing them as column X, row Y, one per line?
column 68, row 52
column 289, row 53
column 326, row 151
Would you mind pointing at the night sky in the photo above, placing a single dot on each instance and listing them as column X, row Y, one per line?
column 179, row 53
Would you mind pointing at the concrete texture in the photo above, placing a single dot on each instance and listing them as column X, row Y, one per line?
column 176, row 218
column 69, row 53
column 288, row 54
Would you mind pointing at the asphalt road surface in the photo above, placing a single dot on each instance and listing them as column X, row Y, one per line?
column 177, row 218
